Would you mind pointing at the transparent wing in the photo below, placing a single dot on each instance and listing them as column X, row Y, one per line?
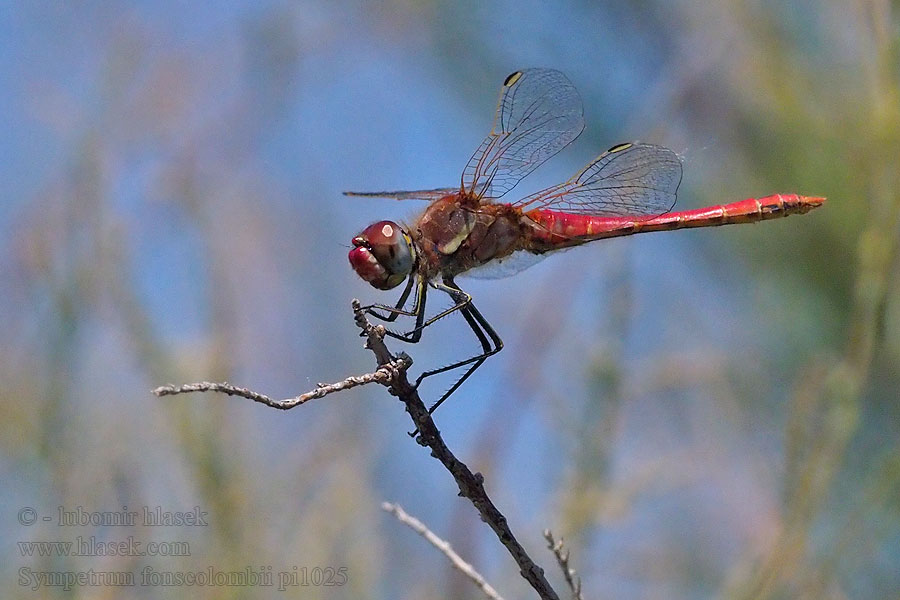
column 408, row 195
column 506, row 266
column 538, row 114
column 632, row 179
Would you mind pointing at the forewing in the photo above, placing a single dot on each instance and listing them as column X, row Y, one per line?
column 634, row 179
column 538, row 114
column 428, row 195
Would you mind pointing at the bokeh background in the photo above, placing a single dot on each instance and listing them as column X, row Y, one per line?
column 700, row 414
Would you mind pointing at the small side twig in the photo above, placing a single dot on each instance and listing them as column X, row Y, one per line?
column 444, row 546
column 383, row 375
column 562, row 557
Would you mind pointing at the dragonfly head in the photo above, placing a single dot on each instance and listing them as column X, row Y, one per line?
column 383, row 255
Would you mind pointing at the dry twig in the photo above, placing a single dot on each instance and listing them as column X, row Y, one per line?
column 382, row 375
column 444, row 546
column 562, row 557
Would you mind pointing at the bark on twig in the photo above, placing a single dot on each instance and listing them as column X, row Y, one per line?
column 382, row 375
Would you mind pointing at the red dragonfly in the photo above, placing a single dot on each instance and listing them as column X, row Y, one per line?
column 628, row 189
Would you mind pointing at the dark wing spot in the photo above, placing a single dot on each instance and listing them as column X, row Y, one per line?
column 512, row 78
column 619, row 147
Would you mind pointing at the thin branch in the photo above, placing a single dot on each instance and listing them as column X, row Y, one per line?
column 392, row 373
column 382, row 375
column 444, row 546
column 471, row 485
column 562, row 557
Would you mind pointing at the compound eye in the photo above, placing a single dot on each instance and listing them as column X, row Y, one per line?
column 390, row 247
column 382, row 255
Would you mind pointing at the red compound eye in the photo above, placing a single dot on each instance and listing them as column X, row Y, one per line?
column 382, row 255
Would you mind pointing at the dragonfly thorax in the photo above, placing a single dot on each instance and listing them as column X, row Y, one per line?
column 383, row 255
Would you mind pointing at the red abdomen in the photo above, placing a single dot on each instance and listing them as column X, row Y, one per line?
column 555, row 229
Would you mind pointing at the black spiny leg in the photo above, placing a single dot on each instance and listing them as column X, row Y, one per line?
column 395, row 311
column 418, row 311
column 490, row 343
column 461, row 299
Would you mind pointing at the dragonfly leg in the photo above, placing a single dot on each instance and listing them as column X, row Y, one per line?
column 460, row 298
column 395, row 311
column 490, row 341
column 490, row 345
column 419, row 312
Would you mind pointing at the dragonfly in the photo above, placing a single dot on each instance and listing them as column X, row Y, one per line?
column 630, row 188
